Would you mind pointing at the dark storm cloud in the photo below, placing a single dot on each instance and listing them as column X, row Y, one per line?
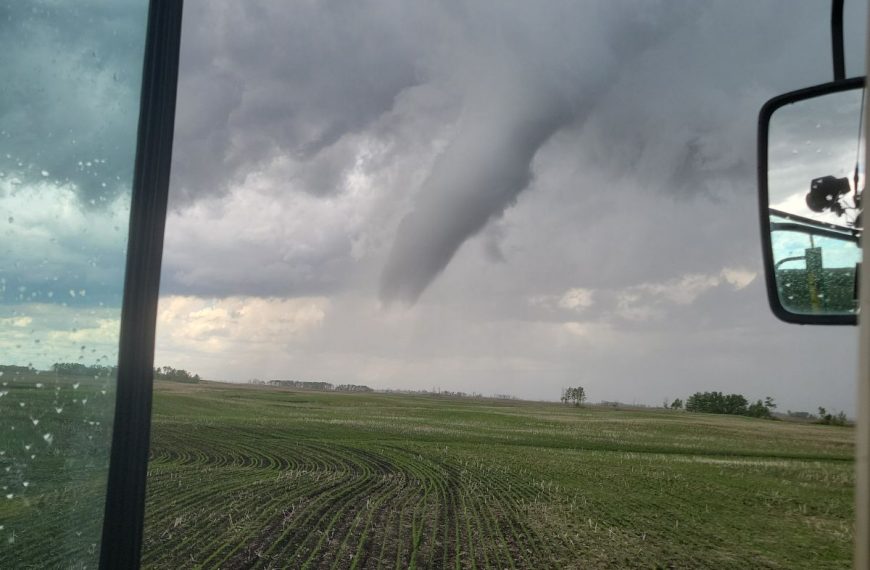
column 260, row 80
column 662, row 96
column 74, row 65
column 68, row 120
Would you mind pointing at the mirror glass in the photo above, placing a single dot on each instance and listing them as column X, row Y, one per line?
column 815, row 179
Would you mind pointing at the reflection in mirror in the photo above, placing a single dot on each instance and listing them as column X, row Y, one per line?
column 815, row 180
column 815, row 269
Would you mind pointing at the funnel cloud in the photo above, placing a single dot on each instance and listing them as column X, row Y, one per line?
column 527, row 85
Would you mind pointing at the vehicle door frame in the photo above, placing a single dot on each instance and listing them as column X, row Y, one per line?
column 123, row 521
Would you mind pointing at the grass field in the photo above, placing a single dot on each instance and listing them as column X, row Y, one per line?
column 255, row 476
column 246, row 476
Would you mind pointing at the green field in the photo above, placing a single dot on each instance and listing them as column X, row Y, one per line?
column 248, row 476
column 256, row 476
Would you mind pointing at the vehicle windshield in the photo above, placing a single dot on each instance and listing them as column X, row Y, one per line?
column 467, row 284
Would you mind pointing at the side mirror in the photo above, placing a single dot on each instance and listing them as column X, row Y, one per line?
column 810, row 182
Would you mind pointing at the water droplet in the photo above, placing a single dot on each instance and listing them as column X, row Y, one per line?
column 39, row 384
column 84, row 401
column 76, row 386
column 44, row 172
column 10, row 496
column 26, row 484
column 11, row 219
column 58, row 410
column 27, row 447
column 35, row 422
column 48, row 438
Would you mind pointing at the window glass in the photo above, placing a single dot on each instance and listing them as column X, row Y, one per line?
column 71, row 76
column 477, row 284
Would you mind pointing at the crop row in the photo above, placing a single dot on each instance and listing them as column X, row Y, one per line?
column 230, row 498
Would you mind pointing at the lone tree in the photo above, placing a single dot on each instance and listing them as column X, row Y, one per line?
column 677, row 404
column 575, row 396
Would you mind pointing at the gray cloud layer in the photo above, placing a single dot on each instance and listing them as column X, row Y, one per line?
column 474, row 156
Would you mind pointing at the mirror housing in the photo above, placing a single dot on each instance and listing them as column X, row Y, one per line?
column 810, row 201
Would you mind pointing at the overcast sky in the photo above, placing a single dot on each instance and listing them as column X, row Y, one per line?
column 488, row 196
column 501, row 197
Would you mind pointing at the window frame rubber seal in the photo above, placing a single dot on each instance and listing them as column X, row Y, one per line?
column 123, row 520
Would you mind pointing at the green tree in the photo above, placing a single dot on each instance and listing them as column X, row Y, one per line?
column 575, row 395
column 734, row 404
column 758, row 410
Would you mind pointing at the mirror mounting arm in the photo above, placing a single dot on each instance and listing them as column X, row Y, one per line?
column 837, row 48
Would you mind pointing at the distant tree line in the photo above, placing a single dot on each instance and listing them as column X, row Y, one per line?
column 448, row 393
column 352, row 388
column 14, row 370
column 732, row 404
column 826, row 418
column 452, row 394
column 78, row 369
column 319, row 386
column 176, row 375
column 737, row 404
